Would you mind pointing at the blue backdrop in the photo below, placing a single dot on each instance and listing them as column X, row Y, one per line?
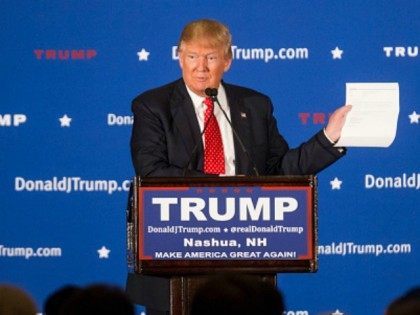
column 69, row 70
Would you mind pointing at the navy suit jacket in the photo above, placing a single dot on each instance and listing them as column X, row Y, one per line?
column 166, row 132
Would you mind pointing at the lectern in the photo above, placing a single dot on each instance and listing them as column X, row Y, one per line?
column 180, row 231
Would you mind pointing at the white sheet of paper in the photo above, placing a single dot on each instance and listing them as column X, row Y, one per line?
column 372, row 121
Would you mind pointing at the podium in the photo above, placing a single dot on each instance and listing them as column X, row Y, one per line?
column 181, row 231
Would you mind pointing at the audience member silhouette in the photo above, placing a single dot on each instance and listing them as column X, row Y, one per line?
column 15, row 301
column 407, row 304
column 237, row 295
column 57, row 299
column 98, row 300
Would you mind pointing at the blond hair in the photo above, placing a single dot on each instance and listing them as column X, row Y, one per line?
column 213, row 32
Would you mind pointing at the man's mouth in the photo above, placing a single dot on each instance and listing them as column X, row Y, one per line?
column 201, row 79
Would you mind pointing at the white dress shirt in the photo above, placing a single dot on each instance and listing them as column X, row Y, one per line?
column 225, row 129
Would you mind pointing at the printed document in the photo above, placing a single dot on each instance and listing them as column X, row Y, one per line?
column 372, row 121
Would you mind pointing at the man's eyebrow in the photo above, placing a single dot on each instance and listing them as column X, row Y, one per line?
column 195, row 53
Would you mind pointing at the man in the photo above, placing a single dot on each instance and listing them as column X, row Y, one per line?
column 178, row 132
column 169, row 136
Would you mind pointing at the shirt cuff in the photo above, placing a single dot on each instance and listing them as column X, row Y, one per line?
column 339, row 149
column 329, row 139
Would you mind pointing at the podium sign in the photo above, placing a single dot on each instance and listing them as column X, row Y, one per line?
column 222, row 223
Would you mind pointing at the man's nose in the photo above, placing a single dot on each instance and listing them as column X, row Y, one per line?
column 202, row 63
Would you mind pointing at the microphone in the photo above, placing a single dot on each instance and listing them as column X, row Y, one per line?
column 213, row 94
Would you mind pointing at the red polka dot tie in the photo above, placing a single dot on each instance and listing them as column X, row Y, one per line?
column 214, row 158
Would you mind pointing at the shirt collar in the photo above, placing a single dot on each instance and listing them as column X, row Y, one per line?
column 198, row 100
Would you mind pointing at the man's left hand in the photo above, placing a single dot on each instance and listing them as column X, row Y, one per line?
column 336, row 123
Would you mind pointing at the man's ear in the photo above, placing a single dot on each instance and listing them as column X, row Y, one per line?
column 228, row 62
column 180, row 60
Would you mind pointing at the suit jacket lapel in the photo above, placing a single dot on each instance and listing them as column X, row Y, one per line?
column 185, row 120
column 239, row 115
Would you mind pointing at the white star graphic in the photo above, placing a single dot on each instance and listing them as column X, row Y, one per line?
column 65, row 121
column 337, row 312
column 336, row 184
column 143, row 55
column 103, row 252
column 225, row 230
column 414, row 118
column 336, row 53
